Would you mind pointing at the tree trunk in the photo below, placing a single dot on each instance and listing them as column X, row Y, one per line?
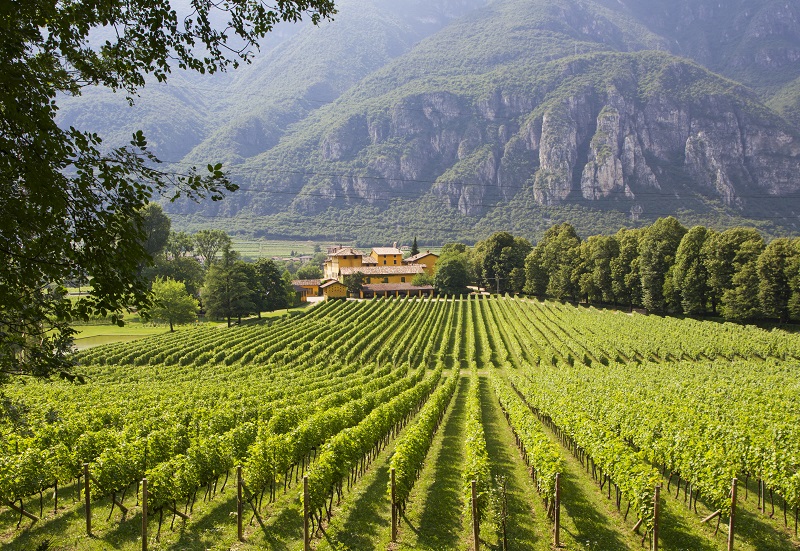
column 171, row 329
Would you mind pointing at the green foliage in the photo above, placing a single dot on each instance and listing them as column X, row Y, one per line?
column 476, row 461
column 414, row 247
column 156, row 228
column 309, row 271
column 542, row 454
column 596, row 277
column 72, row 207
column 354, row 282
column 312, row 382
column 411, row 449
column 185, row 269
column 207, row 243
column 452, row 274
column 740, row 299
column 556, row 260
column 423, row 279
column 226, row 293
column 496, row 257
column 179, row 244
column 777, row 266
column 690, row 277
column 172, row 304
column 269, row 287
column 657, row 249
column 626, row 279
column 719, row 254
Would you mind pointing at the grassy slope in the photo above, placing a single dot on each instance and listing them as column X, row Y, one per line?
column 432, row 519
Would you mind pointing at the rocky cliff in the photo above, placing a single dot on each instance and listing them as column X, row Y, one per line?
column 612, row 128
column 450, row 115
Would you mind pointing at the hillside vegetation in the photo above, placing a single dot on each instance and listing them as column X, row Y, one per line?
column 450, row 117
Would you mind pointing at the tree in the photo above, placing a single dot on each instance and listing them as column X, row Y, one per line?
column 596, row 255
column 185, row 269
column 414, row 247
column 179, row 244
column 70, row 206
column 776, row 267
column 535, row 275
column 740, row 297
column 422, row 280
column 172, row 304
column 226, row 293
column 555, row 263
column 156, row 227
column 719, row 254
column 354, row 282
column 452, row 248
column 207, row 243
column 451, row 277
column 656, row 255
column 690, row 277
column 271, row 286
column 309, row 271
column 497, row 256
column 626, row 280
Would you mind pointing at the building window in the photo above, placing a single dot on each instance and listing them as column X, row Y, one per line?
column 386, row 280
column 384, row 261
column 403, row 279
column 395, row 261
column 369, row 281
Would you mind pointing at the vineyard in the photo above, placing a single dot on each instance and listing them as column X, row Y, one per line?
column 419, row 421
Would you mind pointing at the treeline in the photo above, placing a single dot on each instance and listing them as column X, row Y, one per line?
column 202, row 272
column 665, row 268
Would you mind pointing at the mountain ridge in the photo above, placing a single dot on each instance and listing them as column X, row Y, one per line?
column 560, row 103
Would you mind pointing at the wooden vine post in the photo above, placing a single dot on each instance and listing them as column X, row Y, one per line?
column 733, row 515
column 557, row 513
column 239, row 504
column 306, row 503
column 87, row 494
column 475, row 524
column 144, row 514
column 394, row 510
column 656, row 516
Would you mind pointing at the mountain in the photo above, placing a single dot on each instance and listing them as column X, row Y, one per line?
column 453, row 119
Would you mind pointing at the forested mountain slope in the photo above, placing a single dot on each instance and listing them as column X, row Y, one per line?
column 449, row 118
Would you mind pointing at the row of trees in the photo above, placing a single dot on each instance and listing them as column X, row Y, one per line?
column 204, row 266
column 664, row 268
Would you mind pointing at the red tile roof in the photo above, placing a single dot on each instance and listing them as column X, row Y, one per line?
column 347, row 251
column 307, row 282
column 385, row 270
column 386, row 250
column 416, row 257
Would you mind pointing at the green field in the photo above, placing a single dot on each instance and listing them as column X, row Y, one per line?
column 268, row 248
column 506, row 392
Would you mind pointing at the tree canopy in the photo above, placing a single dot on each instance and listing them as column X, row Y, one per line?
column 172, row 304
column 207, row 243
column 70, row 207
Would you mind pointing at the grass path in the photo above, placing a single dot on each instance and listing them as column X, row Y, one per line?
column 364, row 518
column 527, row 527
column 432, row 519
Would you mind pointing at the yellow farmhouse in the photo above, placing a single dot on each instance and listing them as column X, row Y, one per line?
column 385, row 271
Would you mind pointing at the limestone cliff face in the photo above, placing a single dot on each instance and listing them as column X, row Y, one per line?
column 611, row 144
